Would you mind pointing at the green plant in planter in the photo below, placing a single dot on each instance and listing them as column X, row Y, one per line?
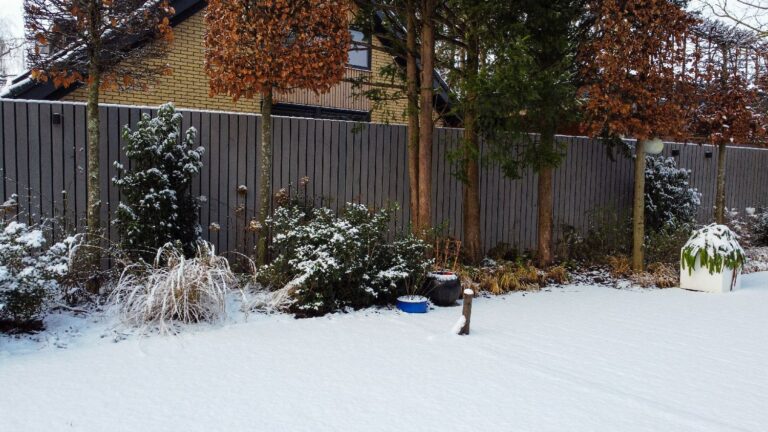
column 716, row 246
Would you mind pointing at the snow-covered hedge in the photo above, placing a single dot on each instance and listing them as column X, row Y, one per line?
column 713, row 247
column 670, row 201
column 30, row 269
column 157, row 206
column 328, row 262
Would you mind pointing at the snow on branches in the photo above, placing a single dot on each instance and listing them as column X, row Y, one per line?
column 157, row 206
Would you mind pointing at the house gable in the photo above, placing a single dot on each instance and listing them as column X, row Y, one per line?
column 187, row 85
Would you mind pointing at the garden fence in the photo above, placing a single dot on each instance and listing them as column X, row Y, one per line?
column 43, row 162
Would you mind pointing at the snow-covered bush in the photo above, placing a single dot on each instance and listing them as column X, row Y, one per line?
column 30, row 269
column 760, row 228
column 713, row 247
column 175, row 288
column 670, row 201
column 328, row 262
column 157, row 206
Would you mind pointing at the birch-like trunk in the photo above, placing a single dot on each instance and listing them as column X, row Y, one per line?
column 92, row 251
column 720, row 192
column 265, row 165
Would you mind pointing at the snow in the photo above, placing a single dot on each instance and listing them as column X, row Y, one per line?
column 443, row 276
column 576, row 358
column 412, row 299
column 459, row 324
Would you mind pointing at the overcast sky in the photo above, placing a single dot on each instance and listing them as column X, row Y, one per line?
column 12, row 15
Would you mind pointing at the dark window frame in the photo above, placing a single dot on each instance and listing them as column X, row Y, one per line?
column 320, row 112
column 369, row 50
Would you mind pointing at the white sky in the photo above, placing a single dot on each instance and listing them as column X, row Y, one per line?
column 11, row 12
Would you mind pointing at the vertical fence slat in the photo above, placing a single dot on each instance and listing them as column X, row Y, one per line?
column 22, row 158
column 345, row 162
column 46, row 164
column 9, row 150
column 33, row 163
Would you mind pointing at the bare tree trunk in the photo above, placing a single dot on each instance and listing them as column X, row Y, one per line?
column 638, row 210
column 265, row 165
column 721, row 149
column 545, row 201
column 426, row 123
column 412, row 78
column 720, row 192
column 93, row 211
column 472, row 243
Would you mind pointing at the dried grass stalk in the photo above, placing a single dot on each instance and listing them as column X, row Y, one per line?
column 175, row 289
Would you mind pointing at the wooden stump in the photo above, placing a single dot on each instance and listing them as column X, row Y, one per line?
column 467, row 310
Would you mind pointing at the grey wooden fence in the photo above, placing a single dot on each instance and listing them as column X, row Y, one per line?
column 44, row 157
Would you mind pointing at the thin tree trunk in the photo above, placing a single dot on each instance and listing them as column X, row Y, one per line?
column 265, row 196
column 472, row 243
column 545, row 201
column 721, row 149
column 638, row 210
column 93, row 205
column 720, row 192
column 426, row 124
column 412, row 78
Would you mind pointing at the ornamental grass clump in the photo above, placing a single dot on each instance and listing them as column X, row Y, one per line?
column 714, row 247
column 175, row 289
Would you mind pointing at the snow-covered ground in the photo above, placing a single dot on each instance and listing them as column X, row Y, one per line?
column 577, row 358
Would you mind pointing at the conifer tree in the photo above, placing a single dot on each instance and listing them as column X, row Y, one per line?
column 157, row 205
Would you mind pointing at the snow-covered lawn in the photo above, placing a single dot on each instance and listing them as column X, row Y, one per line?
column 577, row 358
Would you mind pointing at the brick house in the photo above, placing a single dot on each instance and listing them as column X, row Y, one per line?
column 187, row 86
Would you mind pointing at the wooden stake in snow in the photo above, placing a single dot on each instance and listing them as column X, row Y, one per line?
column 467, row 310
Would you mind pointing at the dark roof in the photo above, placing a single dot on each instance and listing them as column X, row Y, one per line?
column 24, row 87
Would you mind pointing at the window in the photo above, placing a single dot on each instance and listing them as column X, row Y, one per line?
column 307, row 111
column 359, row 54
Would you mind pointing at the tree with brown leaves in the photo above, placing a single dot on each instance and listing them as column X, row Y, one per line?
column 263, row 47
column 633, row 83
column 729, row 67
column 104, row 44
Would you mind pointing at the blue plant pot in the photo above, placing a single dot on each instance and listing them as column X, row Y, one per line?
column 413, row 304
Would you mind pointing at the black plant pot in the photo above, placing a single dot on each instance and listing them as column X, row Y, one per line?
column 443, row 288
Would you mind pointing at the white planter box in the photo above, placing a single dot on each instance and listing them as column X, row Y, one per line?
column 701, row 280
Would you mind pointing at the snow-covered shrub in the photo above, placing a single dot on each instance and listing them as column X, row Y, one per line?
column 30, row 269
column 713, row 247
column 670, row 201
column 760, row 228
column 328, row 262
column 157, row 206
column 175, row 288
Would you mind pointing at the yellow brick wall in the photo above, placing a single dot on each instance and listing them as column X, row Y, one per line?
column 187, row 86
column 392, row 111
